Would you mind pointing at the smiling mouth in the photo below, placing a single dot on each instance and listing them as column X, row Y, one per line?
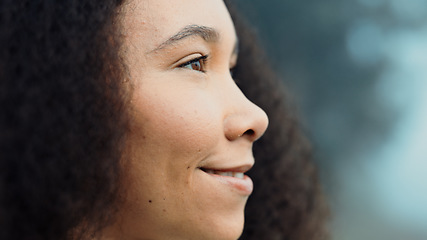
column 235, row 178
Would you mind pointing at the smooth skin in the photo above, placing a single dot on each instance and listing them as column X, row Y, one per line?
column 188, row 115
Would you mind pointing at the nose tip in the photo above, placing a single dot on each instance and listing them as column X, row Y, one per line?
column 249, row 122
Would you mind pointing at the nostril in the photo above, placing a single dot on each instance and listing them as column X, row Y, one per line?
column 249, row 132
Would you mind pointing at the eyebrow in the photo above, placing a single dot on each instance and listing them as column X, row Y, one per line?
column 207, row 33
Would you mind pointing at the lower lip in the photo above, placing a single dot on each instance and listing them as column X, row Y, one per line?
column 243, row 186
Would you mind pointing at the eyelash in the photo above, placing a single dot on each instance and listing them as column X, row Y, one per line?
column 201, row 60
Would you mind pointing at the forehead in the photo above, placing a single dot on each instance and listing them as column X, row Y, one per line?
column 152, row 22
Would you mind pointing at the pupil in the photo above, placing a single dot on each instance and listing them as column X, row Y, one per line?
column 196, row 66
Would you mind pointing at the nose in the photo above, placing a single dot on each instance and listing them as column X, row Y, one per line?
column 244, row 119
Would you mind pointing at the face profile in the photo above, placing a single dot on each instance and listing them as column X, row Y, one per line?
column 192, row 129
column 123, row 120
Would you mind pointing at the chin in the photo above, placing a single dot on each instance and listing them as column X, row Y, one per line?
column 230, row 229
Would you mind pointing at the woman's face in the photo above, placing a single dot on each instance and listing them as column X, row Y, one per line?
column 192, row 128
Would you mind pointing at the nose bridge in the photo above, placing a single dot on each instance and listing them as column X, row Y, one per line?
column 242, row 117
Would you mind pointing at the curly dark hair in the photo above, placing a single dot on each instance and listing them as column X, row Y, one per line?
column 63, row 116
column 64, row 120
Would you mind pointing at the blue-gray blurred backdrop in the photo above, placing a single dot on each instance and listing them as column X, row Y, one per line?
column 358, row 71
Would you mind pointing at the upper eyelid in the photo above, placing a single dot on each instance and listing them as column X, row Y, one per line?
column 204, row 58
column 200, row 58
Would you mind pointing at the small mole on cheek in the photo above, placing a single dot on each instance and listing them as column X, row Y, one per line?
column 164, row 210
column 188, row 167
column 150, row 201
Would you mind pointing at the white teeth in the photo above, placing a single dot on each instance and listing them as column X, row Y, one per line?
column 238, row 175
column 226, row 174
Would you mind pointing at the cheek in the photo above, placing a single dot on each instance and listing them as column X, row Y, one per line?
column 170, row 134
column 178, row 124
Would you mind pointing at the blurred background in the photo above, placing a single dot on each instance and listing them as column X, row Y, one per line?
column 358, row 72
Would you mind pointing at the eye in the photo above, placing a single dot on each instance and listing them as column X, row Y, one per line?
column 197, row 64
